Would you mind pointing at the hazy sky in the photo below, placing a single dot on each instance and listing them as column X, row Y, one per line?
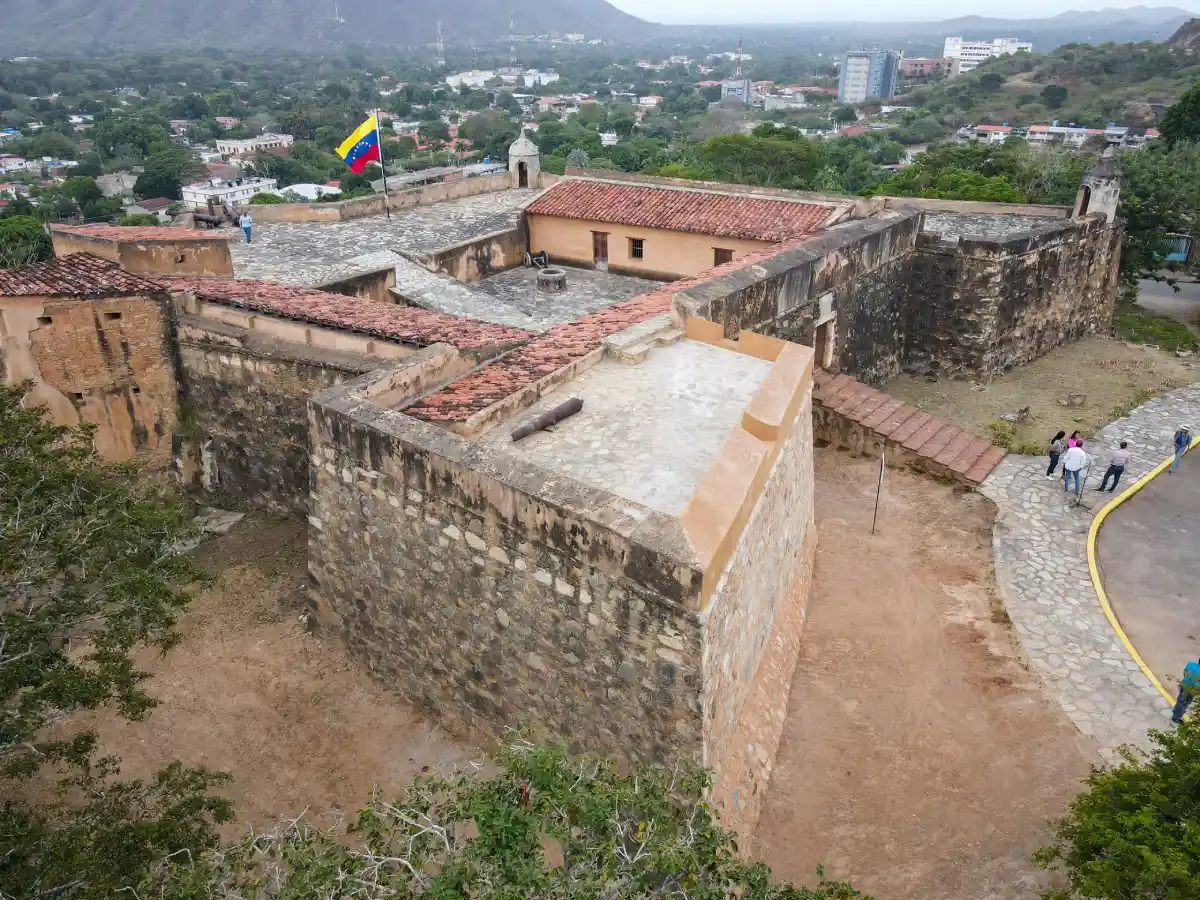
column 724, row 11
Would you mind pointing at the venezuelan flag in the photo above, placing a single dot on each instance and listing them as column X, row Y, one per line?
column 362, row 146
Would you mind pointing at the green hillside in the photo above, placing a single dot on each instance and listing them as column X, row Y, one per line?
column 1130, row 84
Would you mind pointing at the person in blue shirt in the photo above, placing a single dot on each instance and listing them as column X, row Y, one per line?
column 1183, row 440
column 1189, row 685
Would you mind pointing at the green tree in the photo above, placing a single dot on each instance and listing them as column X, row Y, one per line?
column 844, row 115
column 138, row 220
column 166, row 171
column 1160, row 197
column 1053, row 96
column 23, row 240
column 1133, row 832
column 75, row 601
column 433, row 131
column 1182, row 119
column 546, row 825
column 266, row 199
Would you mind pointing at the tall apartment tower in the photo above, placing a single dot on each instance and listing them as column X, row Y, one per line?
column 868, row 73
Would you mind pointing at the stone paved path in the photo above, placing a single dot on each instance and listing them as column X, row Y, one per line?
column 1040, row 547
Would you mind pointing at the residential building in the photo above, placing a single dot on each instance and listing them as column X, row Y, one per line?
column 868, row 73
column 535, row 77
column 474, row 80
column 156, row 207
column 227, row 121
column 265, row 141
column 919, row 68
column 650, row 101
column 220, row 193
column 970, row 54
column 738, row 90
column 609, row 139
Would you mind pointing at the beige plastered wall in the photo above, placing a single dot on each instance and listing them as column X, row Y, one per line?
column 166, row 257
column 100, row 361
column 751, row 521
column 667, row 255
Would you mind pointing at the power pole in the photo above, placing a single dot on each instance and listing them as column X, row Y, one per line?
column 739, row 69
column 512, row 41
column 440, row 62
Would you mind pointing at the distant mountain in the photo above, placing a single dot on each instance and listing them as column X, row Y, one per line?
column 1135, row 18
column 1188, row 35
column 44, row 26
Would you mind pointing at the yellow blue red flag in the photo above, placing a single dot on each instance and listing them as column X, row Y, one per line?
column 362, row 146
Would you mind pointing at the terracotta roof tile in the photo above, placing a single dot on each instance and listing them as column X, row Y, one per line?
column 681, row 209
column 75, row 275
column 559, row 347
column 139, row 233
column 389, row 321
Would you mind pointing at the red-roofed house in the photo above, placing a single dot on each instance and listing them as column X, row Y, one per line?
column 662, row 231
column 94, row 341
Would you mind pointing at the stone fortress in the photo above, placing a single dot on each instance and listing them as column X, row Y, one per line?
column 635, row 576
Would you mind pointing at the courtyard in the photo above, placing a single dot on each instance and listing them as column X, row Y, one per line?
column 910, row 704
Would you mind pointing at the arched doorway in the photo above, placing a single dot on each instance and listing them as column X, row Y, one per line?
column 522, row 175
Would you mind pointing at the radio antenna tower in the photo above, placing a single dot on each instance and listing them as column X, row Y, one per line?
column 739, row 71
column 512, row 41
column 440, row 62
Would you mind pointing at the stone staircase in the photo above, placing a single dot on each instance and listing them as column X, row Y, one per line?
column 849, row 414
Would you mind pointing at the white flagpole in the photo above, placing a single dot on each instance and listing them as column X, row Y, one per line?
column 387, row 204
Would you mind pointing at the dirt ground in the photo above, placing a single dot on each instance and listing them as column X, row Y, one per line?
column 919, row 757
column 290, row 716
column 1111, row 374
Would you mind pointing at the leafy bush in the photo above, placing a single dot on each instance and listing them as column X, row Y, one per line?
column 139, row 219
column 1132, row 323
column 1133, row 832
column 266, row 199
column 23, row 240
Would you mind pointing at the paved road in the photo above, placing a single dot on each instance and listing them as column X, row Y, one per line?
column 1149, row 555
column 1160, row 297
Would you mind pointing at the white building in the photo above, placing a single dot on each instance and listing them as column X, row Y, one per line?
column 609, row 139
column 265, row 141
column 535, row 77
column 405, row 127
column 971, row 53
column 233, row 193
column 311, row 192
column 474, row 79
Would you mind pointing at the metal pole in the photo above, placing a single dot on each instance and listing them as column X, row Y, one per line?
column 387, row 203
column 878, row 491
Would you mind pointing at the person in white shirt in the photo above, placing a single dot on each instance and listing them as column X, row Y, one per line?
column 1073, row 462
column 246, row 222
column 1116, row 467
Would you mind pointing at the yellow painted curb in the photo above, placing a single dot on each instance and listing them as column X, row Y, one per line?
column 1095, row 572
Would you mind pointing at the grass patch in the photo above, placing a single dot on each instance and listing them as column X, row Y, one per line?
column 1120, row 412
column 1004, row 435
column 1132, row 323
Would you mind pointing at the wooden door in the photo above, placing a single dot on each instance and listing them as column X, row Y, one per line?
column 600, row 249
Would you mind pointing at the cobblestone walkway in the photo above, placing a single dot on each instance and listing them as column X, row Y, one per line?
column 1040, row 546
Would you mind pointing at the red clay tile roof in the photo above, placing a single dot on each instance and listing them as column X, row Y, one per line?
column 139, row 233
column 561, row 346
column 681, row 209
column 75, row 275
column 389, row 321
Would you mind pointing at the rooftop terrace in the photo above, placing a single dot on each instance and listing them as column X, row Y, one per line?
column 988, row 226
column 647, row 432
column 309, row 253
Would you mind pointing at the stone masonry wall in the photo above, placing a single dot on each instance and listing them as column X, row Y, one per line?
column 749, row 614
column 480, row 257
column 490, row 599
column 862, row 263
column 979, row 308
column 361, row 207
column 244, row 411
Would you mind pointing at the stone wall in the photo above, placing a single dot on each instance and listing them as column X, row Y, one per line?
column 361, row 207
column 494, row 596
column 375, row 286
column 752, row 627
column 244, row 397
column 861, row 267
column 480, row 257
column 106, row 361
column 981, row 307
column 169, row 255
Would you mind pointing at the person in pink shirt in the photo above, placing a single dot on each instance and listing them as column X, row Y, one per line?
column 1075, row 440
column 1116, row 467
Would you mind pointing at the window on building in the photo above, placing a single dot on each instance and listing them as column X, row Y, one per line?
column 721, row 255
column 45, row 320
column 637, row 248
column 112, row 316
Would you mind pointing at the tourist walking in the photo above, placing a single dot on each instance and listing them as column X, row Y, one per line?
column 1116, row 467
column 1073, row 462
column 1056, row 450
column 1183, row 440
column 246, row 222
column 1187, row 690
